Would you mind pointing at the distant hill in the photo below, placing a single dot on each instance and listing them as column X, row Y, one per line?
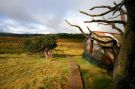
column 61, row 35
column 66, row 35
column 18, row 35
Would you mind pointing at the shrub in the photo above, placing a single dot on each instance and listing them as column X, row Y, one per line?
column 40, row 43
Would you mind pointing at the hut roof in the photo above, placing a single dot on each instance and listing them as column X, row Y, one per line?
column 106, row 37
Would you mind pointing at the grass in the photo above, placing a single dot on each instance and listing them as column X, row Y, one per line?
column 93, row 76
column 11, row 44
column 32, row 72
column 19, row 70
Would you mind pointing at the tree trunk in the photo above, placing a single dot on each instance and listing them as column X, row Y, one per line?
column 124, row 69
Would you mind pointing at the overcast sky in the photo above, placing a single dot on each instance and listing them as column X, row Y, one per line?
column 47, row 16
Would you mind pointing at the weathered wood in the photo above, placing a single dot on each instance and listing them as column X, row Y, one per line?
column 75, row 76
column 91, row 46
column 124, row 70
column 98, row 62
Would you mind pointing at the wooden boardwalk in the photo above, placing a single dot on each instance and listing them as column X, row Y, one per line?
column 75, row 76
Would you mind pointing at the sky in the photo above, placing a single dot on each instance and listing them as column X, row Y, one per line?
column 48, row 16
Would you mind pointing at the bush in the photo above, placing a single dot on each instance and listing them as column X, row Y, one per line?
column 39, row 44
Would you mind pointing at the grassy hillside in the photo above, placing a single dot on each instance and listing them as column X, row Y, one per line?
column 32, row 72
column 13, row 43
column 19, row 70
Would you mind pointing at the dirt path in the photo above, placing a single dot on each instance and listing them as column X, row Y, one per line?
column 75, row 76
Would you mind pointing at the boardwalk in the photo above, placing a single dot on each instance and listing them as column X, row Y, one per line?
column 75, row 77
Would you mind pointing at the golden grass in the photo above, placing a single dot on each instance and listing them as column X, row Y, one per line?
column 22, row 71
column 69, row 47
column 93, row 76
column 11, row 44
column 32, row 72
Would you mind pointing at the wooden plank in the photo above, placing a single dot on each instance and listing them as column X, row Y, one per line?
column 75, row 76
column 91, row 46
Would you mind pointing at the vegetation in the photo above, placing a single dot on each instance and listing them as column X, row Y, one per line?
column 10, row 44
column 14, row 43
column 93, row 76
column 123, row 74
column 24, row 71
column 40, row 43
column 32, row 72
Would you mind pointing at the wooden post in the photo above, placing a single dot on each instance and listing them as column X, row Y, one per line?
column 91, row 46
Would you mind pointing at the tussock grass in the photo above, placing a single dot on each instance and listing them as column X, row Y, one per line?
column 69, row 47
column 93, row 76
column 21, row 71
column 11, row 44
column 32, row 72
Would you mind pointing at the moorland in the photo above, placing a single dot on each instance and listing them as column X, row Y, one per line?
column 21, row 70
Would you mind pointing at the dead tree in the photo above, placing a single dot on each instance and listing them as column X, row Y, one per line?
column 124, row 70
column 116, row 8
column 106, row 45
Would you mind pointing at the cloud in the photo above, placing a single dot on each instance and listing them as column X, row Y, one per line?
column 45, row 16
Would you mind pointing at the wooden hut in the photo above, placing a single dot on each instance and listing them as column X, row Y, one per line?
column 102, row 47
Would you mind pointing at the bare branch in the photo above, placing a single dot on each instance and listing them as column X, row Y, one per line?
column 114, row 17
column 98, row 40
column 110, row 9
column 119, row 7
column 101, row 23
column 114, row 27
column 118, row 29
column 106, row 21
column 95, row 15
column 77, row 27
column 123, row 13
column 89, row 30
